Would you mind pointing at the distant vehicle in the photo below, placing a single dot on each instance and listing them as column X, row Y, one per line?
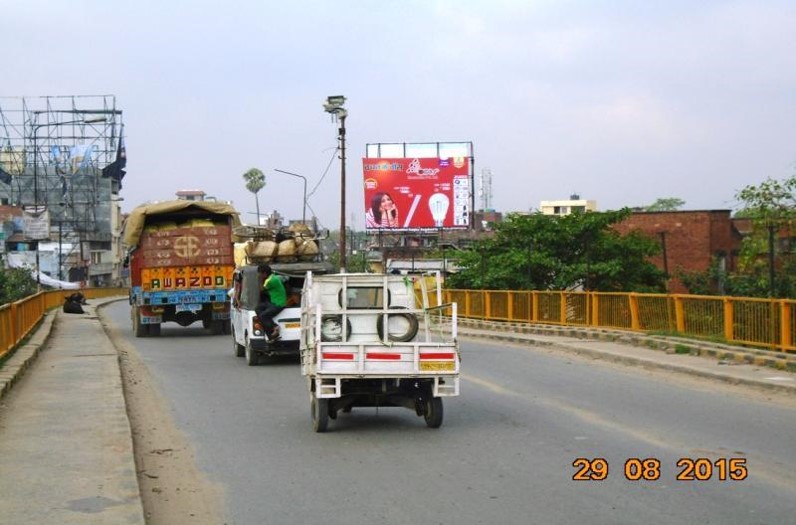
column 292, row 255
column 364, row 342
column 181, row 263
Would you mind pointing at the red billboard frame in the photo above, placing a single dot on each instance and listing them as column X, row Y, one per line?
column 416, row 193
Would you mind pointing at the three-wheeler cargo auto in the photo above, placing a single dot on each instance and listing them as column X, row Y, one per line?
column 366, row 343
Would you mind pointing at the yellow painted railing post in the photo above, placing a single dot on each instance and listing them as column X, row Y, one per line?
column 535, row 307
column 15, row 335
column 784, row 325
column 679, row 314
column 633, row 305
column 467, row 304
column 486, row 298
column 595, row 309
column 562, row 308
column 511, row 305
column 729, row 319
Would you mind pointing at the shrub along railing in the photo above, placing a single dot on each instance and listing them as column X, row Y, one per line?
column 769, row 323
column 19, row 318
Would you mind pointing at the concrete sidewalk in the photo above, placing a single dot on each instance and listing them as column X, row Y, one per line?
column 763, row 369
column 66, row 450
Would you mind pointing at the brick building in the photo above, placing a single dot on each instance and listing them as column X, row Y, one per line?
column 690, row 240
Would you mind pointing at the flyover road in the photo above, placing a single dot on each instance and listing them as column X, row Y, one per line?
column 507, row 452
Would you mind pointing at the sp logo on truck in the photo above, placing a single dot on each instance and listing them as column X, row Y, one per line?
column 187, row 246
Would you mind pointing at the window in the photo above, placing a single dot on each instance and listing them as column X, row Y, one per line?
column 365, row 298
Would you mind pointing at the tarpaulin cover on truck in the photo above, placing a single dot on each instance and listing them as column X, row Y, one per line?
column 137, row 219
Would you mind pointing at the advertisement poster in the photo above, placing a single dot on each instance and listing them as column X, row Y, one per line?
column 416, row 193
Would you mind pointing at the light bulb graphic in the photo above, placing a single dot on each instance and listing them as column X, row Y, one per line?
column 438, row 204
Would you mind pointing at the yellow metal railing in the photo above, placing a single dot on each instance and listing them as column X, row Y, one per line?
column 769, row 323
column 18, row 319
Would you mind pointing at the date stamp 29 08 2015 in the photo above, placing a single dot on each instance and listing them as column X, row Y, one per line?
column 649, row 469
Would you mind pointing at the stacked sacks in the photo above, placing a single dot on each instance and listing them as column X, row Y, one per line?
column 307, row 249
column 287, row 251
column 261, row 251
column 240, row 253
column 297, row 243
column 306, row 245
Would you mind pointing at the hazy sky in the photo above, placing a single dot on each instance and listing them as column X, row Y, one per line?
column 622, row 102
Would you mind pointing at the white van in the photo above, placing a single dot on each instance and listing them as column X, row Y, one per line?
column 248, row 336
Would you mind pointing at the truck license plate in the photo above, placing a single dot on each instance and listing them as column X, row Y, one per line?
column 191, row 307
column 437, row 366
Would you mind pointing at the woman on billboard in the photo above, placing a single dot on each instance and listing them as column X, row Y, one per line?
column 382, row 212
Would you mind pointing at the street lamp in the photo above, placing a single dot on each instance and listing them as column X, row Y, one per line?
column 36, row 212
column 304, row 209
column 334, row 106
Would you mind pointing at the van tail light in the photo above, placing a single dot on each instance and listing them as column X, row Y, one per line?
column 257, row 326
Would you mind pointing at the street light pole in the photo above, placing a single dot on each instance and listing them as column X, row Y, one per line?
column 334, row 106
column 36, row 199
column 343, row 257
column 304, row 207
column 60, row 249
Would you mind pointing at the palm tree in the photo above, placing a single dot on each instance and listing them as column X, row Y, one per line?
column 255, row 181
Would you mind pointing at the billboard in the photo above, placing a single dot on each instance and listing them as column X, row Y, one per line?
column 416, row 193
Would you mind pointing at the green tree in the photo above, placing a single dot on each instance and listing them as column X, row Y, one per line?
column 666, row 204
column 541, row 252
column 771, row 206
column 255, row 181
column 15, row 284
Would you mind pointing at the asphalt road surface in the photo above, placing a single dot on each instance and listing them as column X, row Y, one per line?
column 527, row 422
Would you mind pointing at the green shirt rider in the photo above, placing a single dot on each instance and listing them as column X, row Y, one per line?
column 272, row 301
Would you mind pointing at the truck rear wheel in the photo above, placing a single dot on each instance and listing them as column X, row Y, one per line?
column 319, row 409
column 154, row 330
column 139, row 329
column 433, row 412
column 217, row 327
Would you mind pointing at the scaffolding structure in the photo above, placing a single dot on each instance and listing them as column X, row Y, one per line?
column 53, row 150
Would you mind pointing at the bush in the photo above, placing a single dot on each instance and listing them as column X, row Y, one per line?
column 15, row 284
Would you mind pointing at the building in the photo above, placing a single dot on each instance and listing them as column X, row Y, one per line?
column 191, row 195
column 690, row 241
column 574, row 205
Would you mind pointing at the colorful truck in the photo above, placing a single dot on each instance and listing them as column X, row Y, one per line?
column 181, row 262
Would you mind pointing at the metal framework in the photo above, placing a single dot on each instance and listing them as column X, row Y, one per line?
column 54, row 149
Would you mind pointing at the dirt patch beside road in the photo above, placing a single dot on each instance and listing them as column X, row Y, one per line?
column 173, row 489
